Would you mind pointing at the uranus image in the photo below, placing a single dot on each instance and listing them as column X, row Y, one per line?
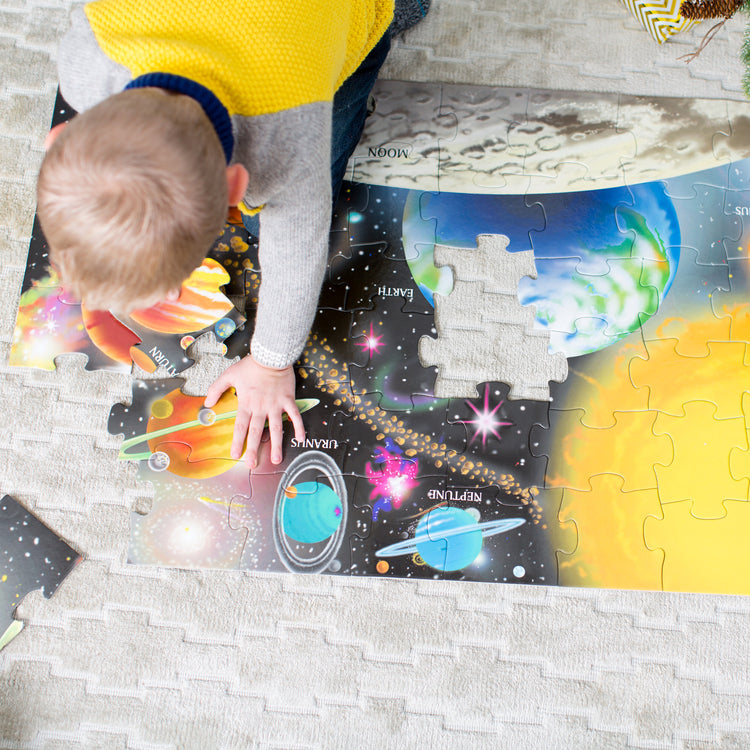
column 312, row 512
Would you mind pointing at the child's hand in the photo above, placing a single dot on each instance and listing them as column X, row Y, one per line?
column 262, row 394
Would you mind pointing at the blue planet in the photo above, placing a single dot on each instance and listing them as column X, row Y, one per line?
column 311, row 512
column 224, row 328
column 449, row 538
column 605, row 258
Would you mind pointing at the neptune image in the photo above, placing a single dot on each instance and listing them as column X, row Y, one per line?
column 605, row 258
column 449, row 538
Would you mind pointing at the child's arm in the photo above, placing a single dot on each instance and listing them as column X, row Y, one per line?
column 287, row 156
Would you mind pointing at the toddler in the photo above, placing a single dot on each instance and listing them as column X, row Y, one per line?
column 185, row 109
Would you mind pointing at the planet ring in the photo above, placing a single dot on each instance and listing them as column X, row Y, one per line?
column 303, row 405
column 488, row 528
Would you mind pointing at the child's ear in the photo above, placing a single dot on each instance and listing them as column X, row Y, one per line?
column 237, row 179
column 52, row 135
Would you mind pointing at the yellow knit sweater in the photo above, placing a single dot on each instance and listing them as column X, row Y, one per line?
column 257, row 56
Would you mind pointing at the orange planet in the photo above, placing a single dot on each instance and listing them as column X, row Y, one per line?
column 200, row 304
column 198, row 445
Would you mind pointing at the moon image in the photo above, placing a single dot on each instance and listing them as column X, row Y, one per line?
column 310, row 512
column 449, row 538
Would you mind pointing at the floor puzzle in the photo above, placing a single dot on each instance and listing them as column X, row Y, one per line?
column 528, row 365
column 33, row 557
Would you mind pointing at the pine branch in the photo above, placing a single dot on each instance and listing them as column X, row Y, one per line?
column 699, row 10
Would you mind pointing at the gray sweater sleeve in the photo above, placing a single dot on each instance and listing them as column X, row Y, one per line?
column 87, row 75
column 288, row 157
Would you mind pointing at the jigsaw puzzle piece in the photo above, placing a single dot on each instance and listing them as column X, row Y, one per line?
column 706, row 555
column 400, row 145
column 701, row 440
column 349, row 212
column 671, row 378
column 309, row 501
column 244, row 517
column 488, row 148
column 494, row 448
column 591, row 315
column 662, row 141
column 323, row 365
column 705, row 215
column 561, row 536
column 577, row 452
column 392, row 475
column 564, row 135
column 358, row 277
column 169, row 431
column 385, row 361
column 393, row 544
column 470, row 537
column 185, row 529
column 729, row 303
column 610, row 549
column 169, row 327
column 33, row 557
column 686, row 309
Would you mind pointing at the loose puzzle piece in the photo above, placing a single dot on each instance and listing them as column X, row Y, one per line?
column 593, row 404
column 34, row 557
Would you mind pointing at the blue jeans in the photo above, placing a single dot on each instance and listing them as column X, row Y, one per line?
column 350, row 110
column 349, row 115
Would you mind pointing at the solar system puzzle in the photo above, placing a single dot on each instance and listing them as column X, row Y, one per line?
column 530, row 361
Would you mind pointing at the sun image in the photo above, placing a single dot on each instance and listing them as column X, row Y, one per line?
column 652, row 469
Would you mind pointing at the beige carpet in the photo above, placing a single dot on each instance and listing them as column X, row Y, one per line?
column 124, row 657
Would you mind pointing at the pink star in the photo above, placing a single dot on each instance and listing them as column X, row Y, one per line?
column 486, row 424
column 371, row 343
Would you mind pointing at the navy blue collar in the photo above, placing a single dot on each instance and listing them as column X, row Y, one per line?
column 214, row 109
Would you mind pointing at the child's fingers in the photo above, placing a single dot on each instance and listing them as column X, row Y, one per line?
column 213, row 394
column 296, row 419
column 240, row 431
column 254, row 434
column 276, row 431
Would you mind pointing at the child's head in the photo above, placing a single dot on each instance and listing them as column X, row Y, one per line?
column 131, row 196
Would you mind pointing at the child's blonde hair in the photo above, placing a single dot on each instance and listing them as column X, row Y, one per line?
column 131, row 196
